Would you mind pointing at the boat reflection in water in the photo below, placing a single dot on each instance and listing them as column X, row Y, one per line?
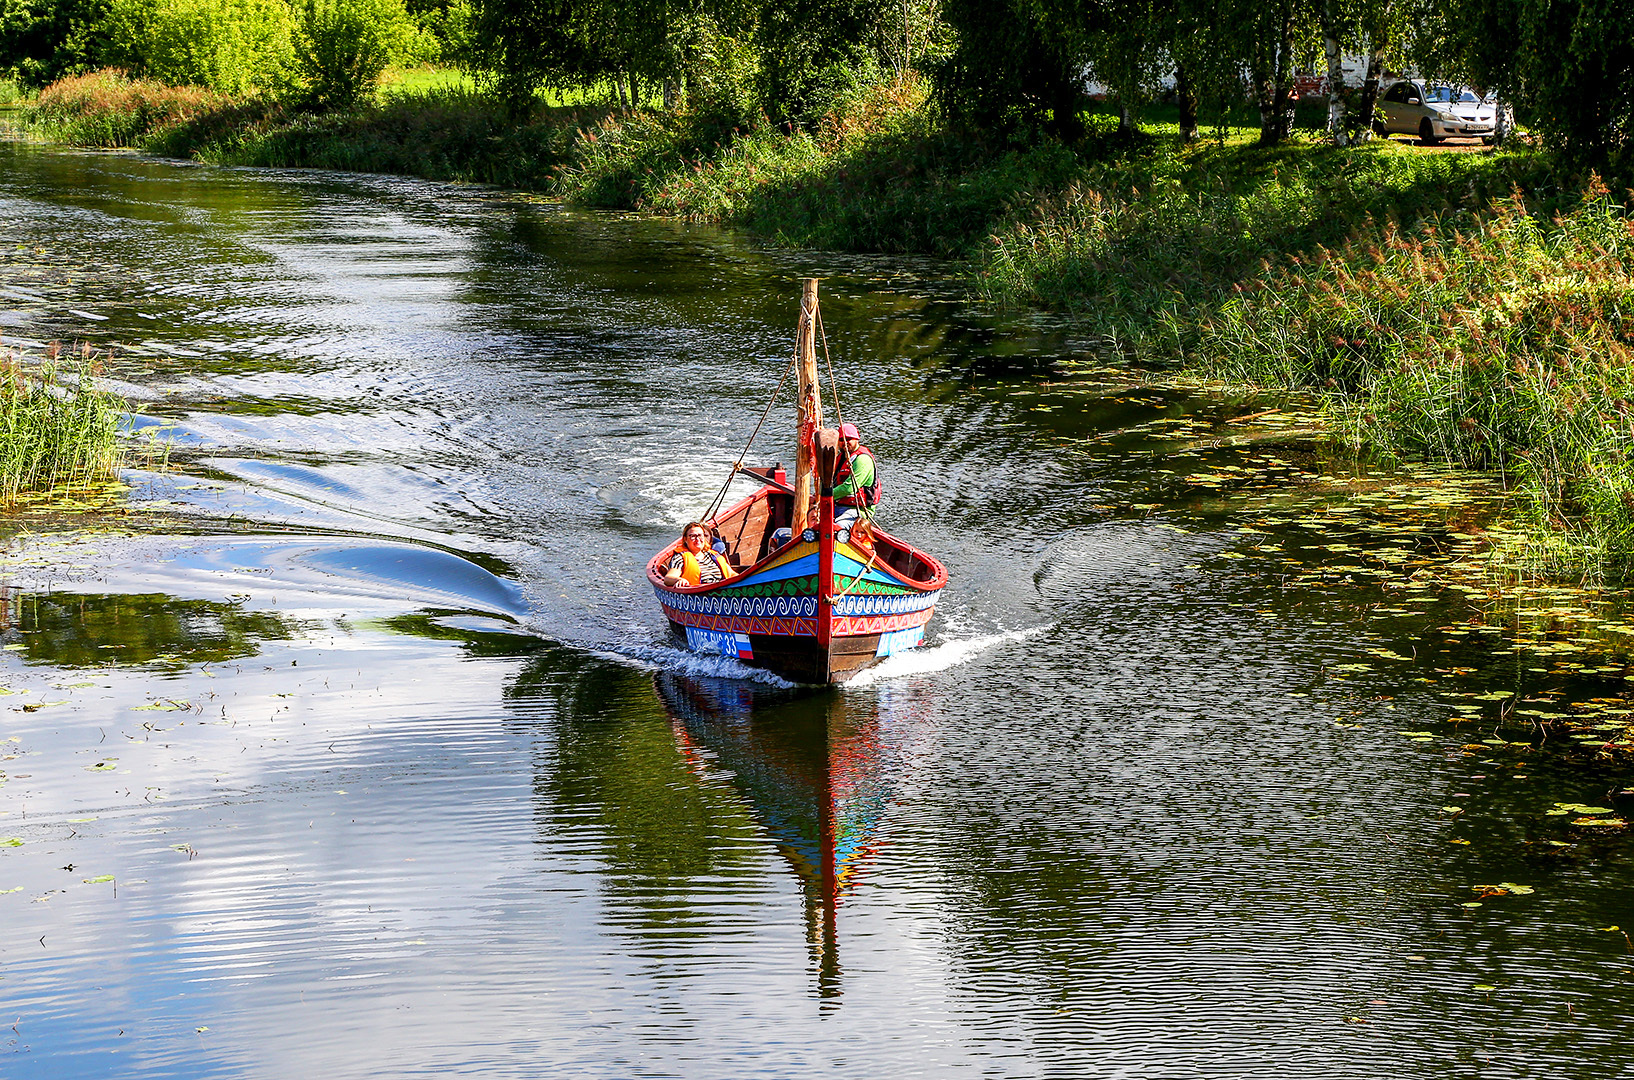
column 817, row 770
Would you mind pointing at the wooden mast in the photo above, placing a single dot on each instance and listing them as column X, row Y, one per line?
column 810, row 416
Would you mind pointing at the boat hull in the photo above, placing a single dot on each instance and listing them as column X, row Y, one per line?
column 774, row 616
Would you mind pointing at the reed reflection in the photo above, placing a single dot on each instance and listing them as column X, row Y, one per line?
column 818, row 772
column 79, row 630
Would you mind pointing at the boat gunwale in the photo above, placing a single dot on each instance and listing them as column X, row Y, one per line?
column 936, row 584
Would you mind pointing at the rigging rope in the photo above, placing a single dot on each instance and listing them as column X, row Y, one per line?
column 720, row 496
column 833, row 383
column 834, row 388
column 843, row 593
column 834, row 391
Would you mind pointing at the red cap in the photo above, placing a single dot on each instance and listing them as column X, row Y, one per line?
column 849, row 431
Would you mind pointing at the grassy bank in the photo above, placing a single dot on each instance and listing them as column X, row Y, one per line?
column 1500, row 340
column 440, row 130
column 56, row 428
column 1469, row 307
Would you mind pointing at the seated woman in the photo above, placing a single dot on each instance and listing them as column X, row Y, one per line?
column 695, row 562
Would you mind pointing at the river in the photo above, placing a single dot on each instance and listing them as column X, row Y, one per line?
column 350, row 744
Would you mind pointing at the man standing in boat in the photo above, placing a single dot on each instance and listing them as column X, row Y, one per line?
column 856, row 484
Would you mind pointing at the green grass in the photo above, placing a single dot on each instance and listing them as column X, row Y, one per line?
column 424, row 79
column 54, row 432
column 878, row 174
column 1500, row 340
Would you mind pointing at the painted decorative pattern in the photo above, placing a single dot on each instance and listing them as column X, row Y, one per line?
column 726, row 605
column 879, row 624
column 797, row 616
column 856, row 604
column 800, row 586
column 734, row 624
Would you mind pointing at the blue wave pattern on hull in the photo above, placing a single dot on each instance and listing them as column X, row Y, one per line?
column 855, row 604
column 763, row 607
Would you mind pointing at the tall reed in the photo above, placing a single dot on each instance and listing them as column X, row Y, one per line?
column 56, row 427
column 1501, row 340
column 108, row 108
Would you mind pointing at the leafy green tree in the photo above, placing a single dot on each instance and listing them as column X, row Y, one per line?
column 43, row 40
column 1263, row 34
column 1012, row 66
column 1566, row 65
column 813, row 52
column 1206, row 73
column 342, row 46
column 233, row 46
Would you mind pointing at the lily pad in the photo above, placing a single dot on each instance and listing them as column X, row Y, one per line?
column 1579, row 808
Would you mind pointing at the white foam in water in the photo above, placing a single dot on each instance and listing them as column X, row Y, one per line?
column 923, row 661
column 697, row 665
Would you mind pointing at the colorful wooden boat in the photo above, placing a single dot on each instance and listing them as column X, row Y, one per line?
column 822, row 605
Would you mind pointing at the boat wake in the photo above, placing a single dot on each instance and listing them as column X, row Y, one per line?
column 924, row 661
column 695, row 665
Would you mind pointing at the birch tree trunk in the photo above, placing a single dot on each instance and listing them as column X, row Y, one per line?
column 1370, row 92
column 1327, row 13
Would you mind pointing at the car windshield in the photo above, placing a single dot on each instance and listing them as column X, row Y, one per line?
column 1445, row 95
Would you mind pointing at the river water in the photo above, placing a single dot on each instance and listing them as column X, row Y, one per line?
column 349, row 744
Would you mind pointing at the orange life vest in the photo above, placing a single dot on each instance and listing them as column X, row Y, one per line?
column 691, row 572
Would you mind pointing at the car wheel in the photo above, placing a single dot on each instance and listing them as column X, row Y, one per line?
column 1378, row 129
column 1426, row 133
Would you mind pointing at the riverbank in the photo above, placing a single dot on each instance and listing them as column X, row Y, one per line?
column 1463, row 307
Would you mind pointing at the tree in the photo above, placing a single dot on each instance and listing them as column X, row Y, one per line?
column 342, row 46
column 1011, row 66
column 1566, row 65
column 43, row 40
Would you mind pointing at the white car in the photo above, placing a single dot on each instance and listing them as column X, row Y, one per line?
column 1434, row 112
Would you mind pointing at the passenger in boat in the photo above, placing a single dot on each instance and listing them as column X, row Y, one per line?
column 695, row 562
column 856, row 483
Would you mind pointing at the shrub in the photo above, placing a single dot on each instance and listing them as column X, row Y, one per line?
column 342, row 46
column 230, row 46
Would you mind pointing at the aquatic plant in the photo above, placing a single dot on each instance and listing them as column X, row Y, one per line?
column 1502, row 340
column 56, row 426
column 108, row 108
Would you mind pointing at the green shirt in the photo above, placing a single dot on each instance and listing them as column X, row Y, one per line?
column 862, row 475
